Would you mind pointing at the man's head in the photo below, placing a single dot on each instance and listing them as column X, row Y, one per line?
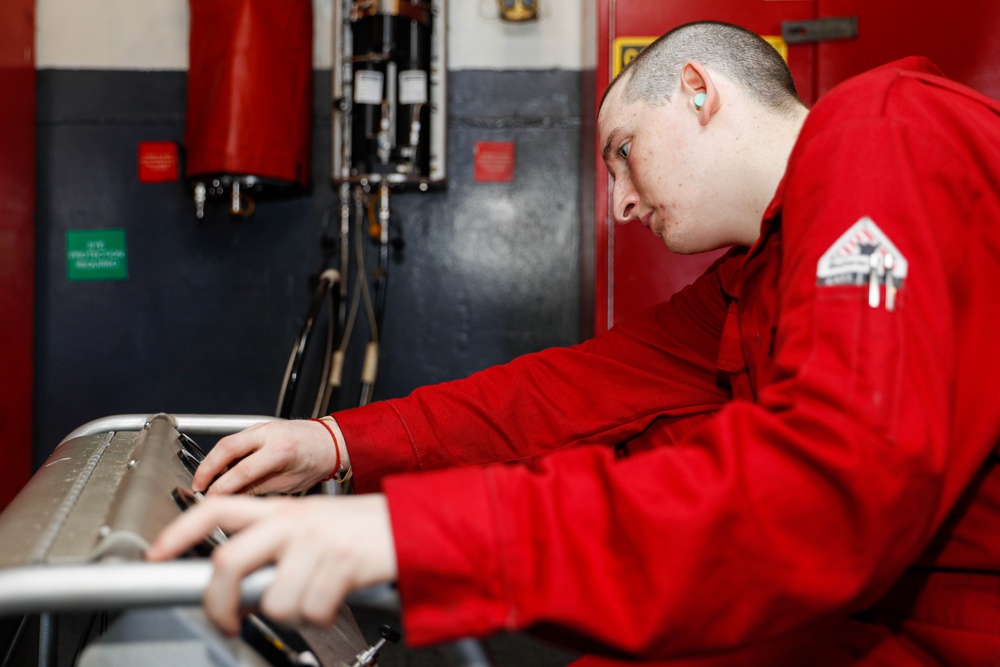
column 696, row 131
column 743, row 56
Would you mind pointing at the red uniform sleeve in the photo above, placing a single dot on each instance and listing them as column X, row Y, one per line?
column 645, row 374
column 773, row 514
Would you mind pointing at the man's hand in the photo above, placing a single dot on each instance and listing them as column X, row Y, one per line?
column 279, row 456
column 323, row 547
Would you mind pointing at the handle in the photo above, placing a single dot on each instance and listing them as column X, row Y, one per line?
column 193, row 424
column 115, row 586
column 124, row 585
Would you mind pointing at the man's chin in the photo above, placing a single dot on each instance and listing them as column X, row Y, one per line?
column 679, row 246
column 686, row 247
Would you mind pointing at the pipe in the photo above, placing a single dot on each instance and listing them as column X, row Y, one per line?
column 114, row 586
column 192, row 424
column 123, row 585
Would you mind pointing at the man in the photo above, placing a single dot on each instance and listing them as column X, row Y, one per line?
column 790, row 462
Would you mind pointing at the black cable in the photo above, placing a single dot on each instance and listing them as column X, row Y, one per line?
column 15, row 640
column 330, row 383
column 296, row 361
column 85, row 637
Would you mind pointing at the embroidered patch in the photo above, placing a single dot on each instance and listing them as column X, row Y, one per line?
column 849, row 261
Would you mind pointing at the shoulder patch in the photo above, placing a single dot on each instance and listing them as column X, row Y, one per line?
column 851, row 258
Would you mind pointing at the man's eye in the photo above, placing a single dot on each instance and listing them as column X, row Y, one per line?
column 623, row 151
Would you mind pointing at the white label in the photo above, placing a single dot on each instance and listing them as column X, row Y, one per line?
column 368, row 87
column 413, row 86
column 849, row 260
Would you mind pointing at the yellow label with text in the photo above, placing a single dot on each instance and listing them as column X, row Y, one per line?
column 627, row 48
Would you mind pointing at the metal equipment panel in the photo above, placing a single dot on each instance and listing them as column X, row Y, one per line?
column 74, row 541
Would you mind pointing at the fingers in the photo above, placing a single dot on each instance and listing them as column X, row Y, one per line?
column 317, row 566
column 323, row 547
column 255, row 458
column 250, row 475
column 284, row 456
column 327, row 548
column 294, row 578
column 326, row 585
column 258, row 545
column 226, row 451
column 192, row 526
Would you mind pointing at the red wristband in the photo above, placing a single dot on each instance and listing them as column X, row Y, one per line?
column 336, row 446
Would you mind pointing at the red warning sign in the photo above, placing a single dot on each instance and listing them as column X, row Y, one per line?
column 494, row 161
column 158, row 162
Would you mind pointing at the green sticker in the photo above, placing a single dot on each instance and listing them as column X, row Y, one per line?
column 96, row 255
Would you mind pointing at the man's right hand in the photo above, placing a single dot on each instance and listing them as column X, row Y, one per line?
column 316, row 564
column 278, row 456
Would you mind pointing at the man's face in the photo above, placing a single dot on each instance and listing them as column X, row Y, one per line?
column 657, row 157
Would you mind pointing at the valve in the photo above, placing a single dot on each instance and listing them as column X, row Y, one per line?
column 368, row 656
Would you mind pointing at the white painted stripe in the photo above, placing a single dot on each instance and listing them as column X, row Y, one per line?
column 479, row 39
column 112, row 34
column 152, row 35
column 134, row 34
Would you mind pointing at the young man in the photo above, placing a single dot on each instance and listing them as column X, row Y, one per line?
column 790, row 462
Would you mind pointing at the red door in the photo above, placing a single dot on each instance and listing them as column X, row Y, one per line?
column 632, row 269
column 962, row 38
column 17, row 241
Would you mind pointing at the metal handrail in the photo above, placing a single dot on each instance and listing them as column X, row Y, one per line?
column 125, row 585
column 192, row 424
column 115, row 586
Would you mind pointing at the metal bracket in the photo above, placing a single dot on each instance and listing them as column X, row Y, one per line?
column 819, row 30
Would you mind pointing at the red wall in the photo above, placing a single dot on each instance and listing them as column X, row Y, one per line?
column 17, row 242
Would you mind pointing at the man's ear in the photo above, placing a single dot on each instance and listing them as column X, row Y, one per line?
column 699, row 91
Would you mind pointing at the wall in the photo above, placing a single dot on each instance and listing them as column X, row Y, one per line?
column 17, row 241
column 207, row 316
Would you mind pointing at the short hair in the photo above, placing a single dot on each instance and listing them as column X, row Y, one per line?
column 743, row 56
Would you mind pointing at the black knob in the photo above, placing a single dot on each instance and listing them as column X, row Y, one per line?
column 389, row 634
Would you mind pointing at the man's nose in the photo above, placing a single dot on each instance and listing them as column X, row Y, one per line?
column 624, row 201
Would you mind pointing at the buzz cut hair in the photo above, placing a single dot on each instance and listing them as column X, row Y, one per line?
column 741, row 55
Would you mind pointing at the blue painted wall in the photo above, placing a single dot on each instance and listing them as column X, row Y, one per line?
column 207, row 317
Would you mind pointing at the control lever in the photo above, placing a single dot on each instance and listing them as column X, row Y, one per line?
column 368, row 656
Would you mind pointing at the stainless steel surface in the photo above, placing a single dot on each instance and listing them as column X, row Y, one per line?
column 73, row 541
column 168, row 637
column 113, row 586
column 74, row 538
column 97, row 495
column 67, row 499
column 192, row 424
column 142, row 503
column 122, row 585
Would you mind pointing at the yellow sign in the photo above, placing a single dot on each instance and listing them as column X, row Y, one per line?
column 779, row 45
column 627, row 48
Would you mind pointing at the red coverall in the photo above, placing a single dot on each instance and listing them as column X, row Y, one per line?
column 810, row 474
